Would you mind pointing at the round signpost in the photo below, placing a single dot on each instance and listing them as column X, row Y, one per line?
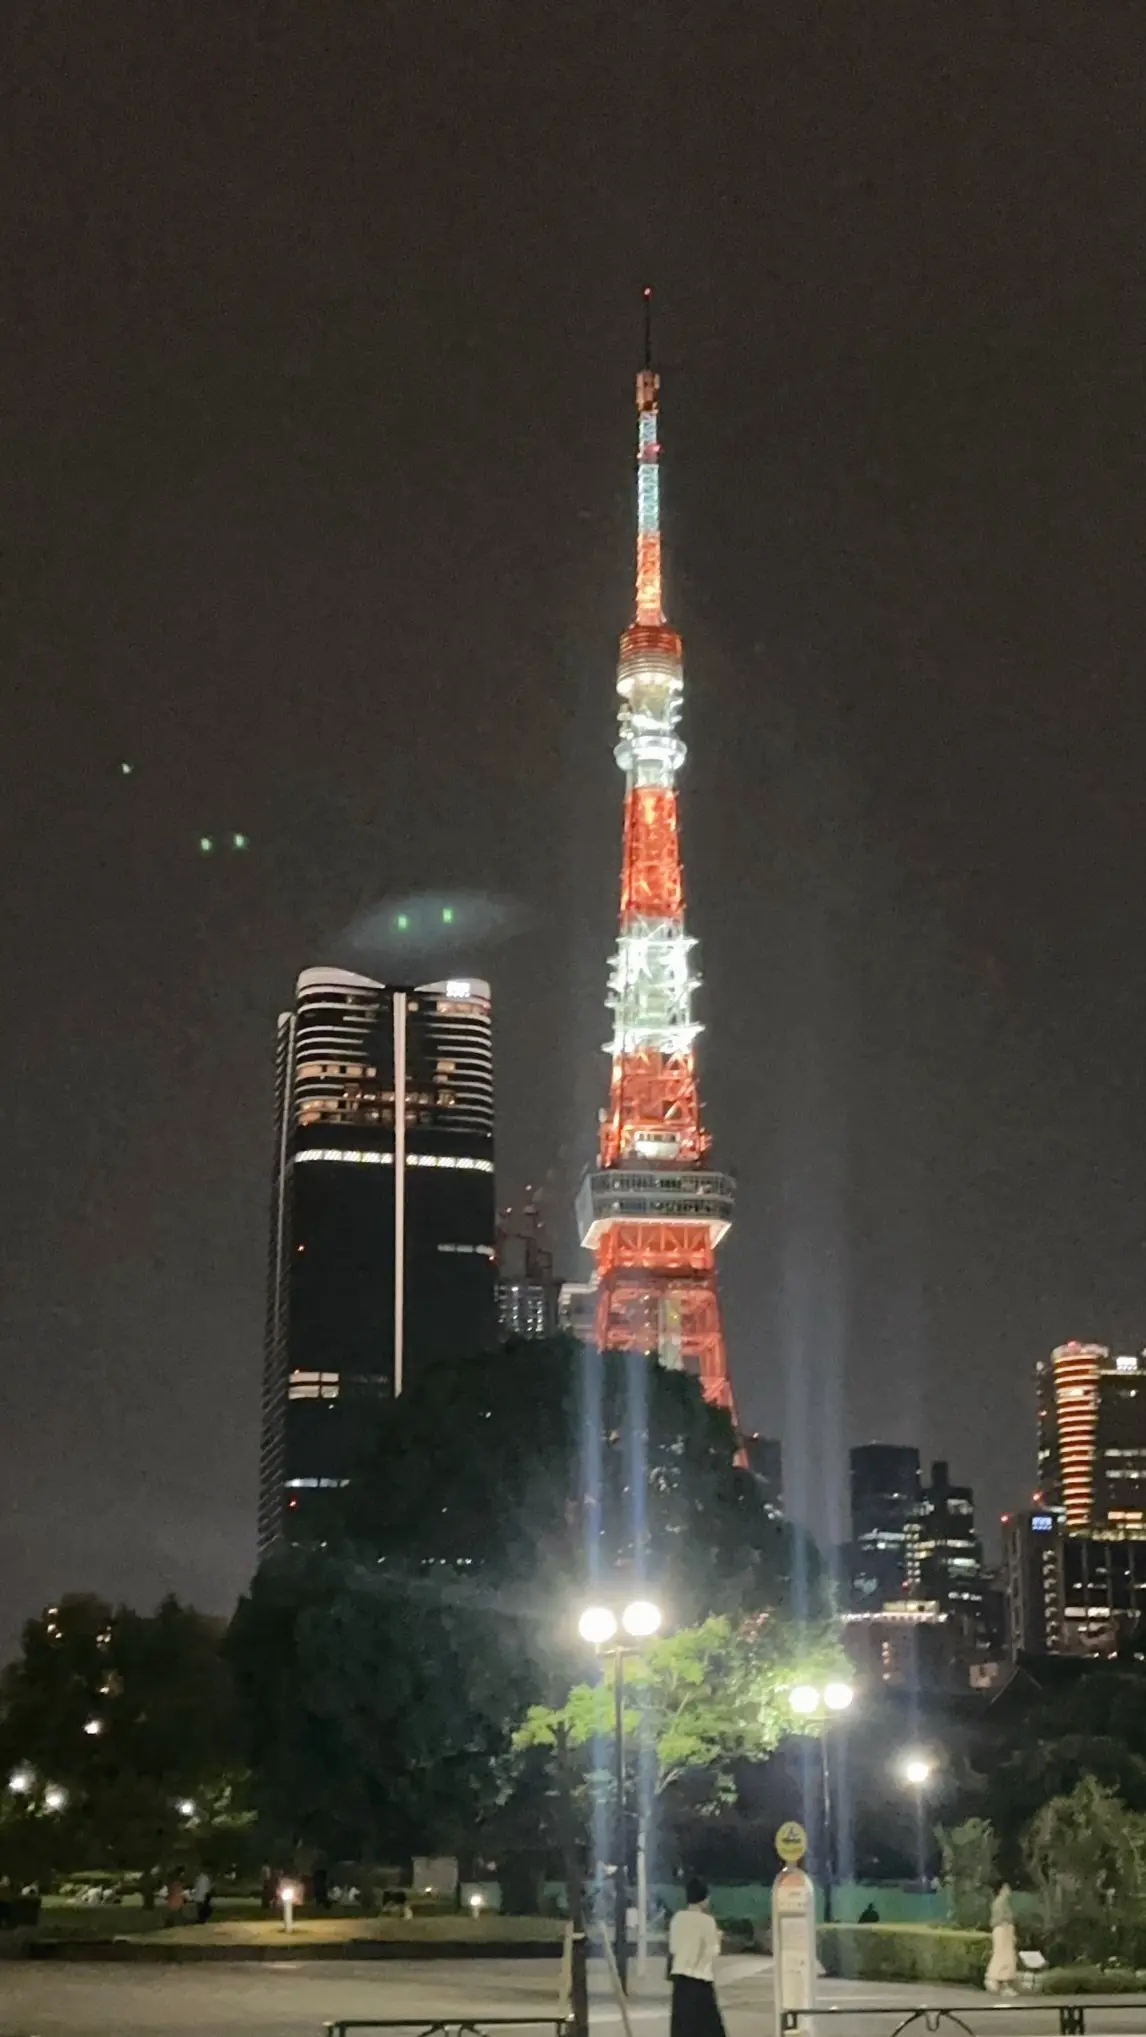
column 793, row 1927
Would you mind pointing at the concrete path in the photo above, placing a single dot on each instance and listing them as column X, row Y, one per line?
column 41, row 1999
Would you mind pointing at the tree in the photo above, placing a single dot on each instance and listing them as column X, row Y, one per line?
column 969, row 1853
column 125, row 1719
column 545, row 1464
column 704, row 1698
column 1086, row 1853
column 1096, row 1727
column 376, row 1702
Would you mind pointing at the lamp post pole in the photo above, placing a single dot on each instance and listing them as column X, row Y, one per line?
column 808, row 1702
column 601, row 1626
column 829, row 1832
column 621, row 1879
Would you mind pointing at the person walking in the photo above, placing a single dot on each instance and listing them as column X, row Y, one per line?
column 694, row 1945
column 1003, row 1969
column 201, row 1895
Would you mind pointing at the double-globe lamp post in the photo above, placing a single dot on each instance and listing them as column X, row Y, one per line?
column 604, row 1630
column 808, row 1701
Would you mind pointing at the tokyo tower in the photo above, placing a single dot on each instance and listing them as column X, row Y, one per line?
column 651, row 1211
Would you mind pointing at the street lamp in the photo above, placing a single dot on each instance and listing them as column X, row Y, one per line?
column 55, row 1797
column 599, row 1625
column 93, row 1727
column 808, row 1701
column 22, row 1781
column 289, row 1893
column 916, row 1770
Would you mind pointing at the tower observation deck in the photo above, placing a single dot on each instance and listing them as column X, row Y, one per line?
column 651, row 1211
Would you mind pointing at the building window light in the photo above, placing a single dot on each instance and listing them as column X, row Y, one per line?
column 463, row 1162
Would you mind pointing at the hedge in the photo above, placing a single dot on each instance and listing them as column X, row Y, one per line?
column 928, row 1952
column 1091, row 1980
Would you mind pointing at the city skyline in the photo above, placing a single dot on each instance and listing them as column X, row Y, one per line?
column 317, row 524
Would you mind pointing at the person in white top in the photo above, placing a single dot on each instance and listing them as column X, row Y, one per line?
column 694, row 1946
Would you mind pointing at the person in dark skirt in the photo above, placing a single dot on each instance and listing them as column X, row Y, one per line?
column 694, row 1944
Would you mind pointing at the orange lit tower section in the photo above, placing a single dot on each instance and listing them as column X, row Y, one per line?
column 651, row 1212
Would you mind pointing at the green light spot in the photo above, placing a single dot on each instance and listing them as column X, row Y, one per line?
column 206, row 844
column 402, row 922
column 447, row 915
column 240, row 841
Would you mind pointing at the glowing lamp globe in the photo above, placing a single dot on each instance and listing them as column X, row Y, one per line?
column 916, row 1770
column 55, row 1797
column 22, row 1782
column 641, row 1619
column 804, row 1699
column 597, row 1625
column 838, row 1696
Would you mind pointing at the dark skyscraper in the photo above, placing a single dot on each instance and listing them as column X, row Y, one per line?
column 884, row 1493
column 766, row 1463
column 527, row 1289
column 375, row 1085
column 944, row 1555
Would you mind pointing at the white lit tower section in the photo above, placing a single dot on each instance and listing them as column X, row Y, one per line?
column 382, row 1222
column 652, row 1212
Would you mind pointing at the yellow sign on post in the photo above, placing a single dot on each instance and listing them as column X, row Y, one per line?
column 791, row 1842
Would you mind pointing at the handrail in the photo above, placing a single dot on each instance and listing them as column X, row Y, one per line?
column 448, row 2026
column 1071, row 2014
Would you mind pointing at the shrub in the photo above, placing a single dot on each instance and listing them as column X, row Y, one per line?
column 739, row 1933
column 969, row 1855
column 1090, row 1980
column 904, row 1952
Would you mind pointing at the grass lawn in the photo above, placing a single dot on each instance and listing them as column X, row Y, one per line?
column 62, row 1918
column 240, row 1922
column 459, row 1930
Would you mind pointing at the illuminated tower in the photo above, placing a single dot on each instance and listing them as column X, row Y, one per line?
column 650, row 1211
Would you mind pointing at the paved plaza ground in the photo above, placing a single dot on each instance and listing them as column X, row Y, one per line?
column 72, row 1999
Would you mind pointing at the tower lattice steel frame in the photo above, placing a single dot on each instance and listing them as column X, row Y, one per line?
column 651, row 1212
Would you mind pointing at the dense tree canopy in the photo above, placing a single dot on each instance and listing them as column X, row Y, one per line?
column 114, row 1724
column 381, row 1680
column 1094, row 1725
column 377, row 1703
column 545, row 1466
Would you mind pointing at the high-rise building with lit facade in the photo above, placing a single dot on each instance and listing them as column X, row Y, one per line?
column 527, row 1289
column 1069, row 1594
column 885, row 1490
column 382, row 1222
column 944, row 1554
column 1092, row 1439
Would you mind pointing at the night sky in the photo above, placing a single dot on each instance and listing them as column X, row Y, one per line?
column 316, row 351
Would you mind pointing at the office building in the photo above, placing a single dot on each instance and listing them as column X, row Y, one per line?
column 1069, row 1594
column 382, row 1223
column 944, row 1555
column 885, row 1490
column 766, row 1463
column 577, row 1310
column 527, row 1292
column 1092, row 1440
